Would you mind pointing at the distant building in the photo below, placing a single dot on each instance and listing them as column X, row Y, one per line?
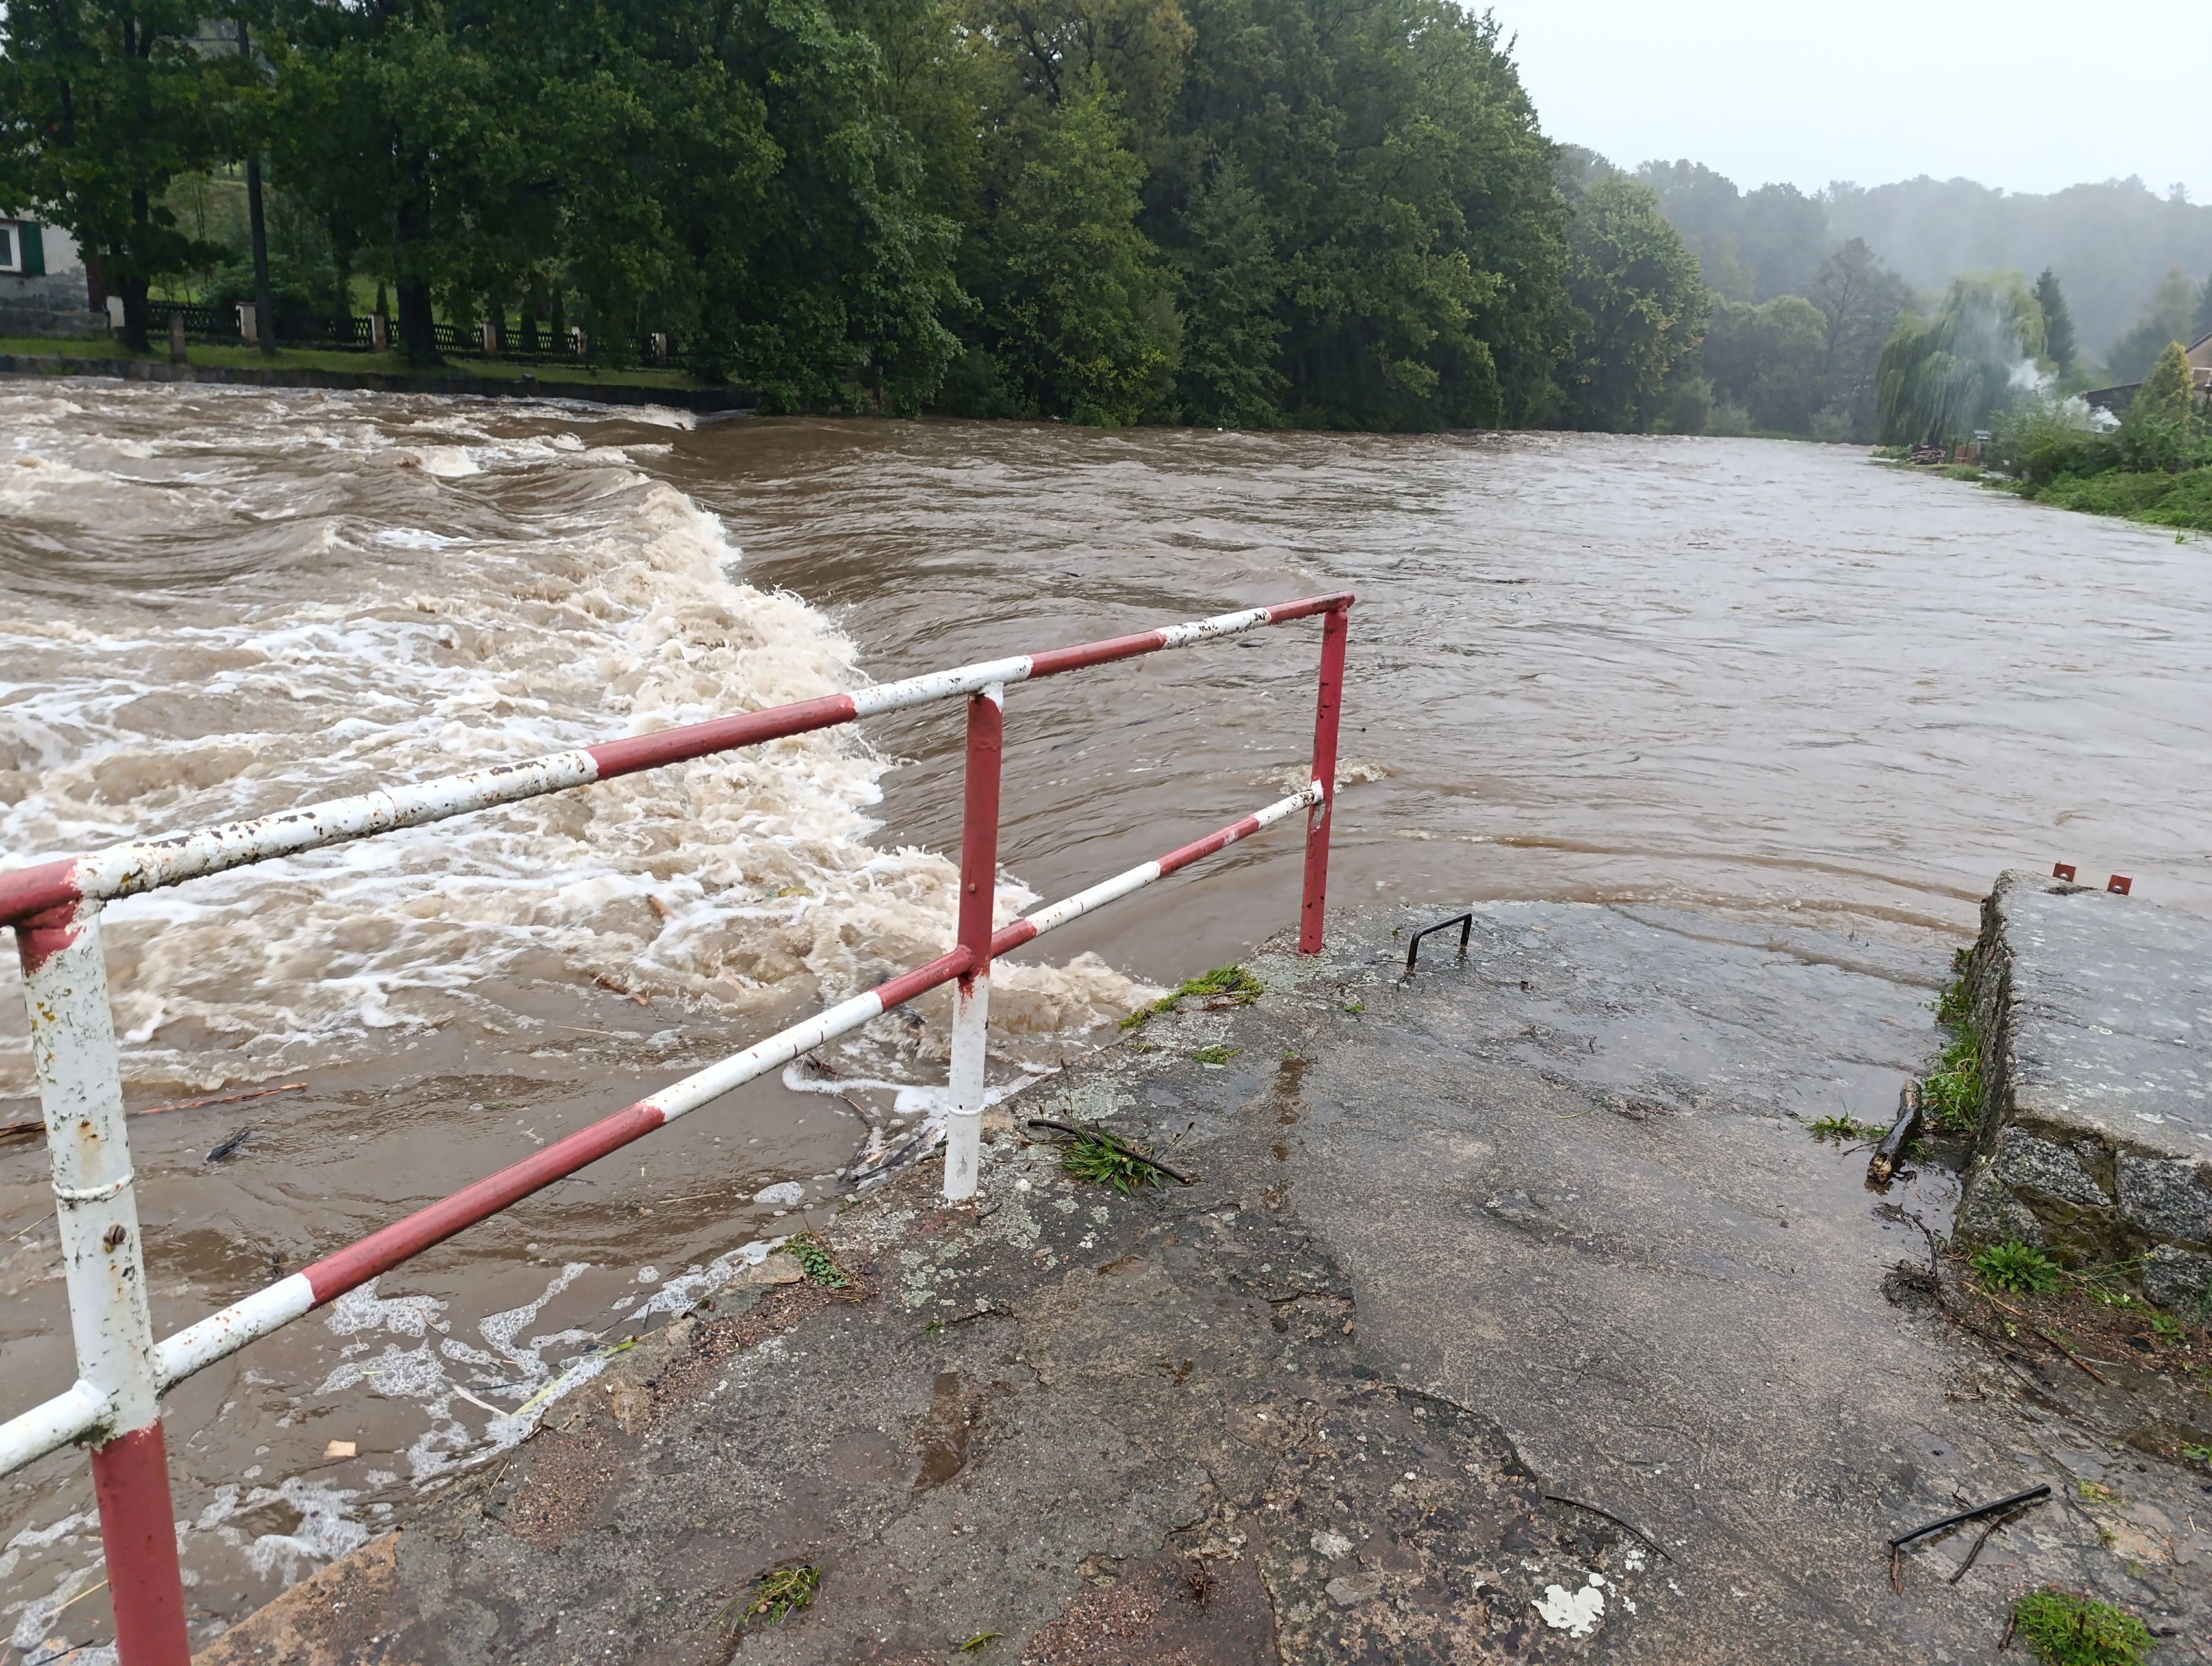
column 2119, row 397
column 45, row 289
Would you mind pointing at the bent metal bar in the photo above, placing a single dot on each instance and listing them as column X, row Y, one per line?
column 54, row 909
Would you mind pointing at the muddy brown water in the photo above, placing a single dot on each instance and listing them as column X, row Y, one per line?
column 1773, row 683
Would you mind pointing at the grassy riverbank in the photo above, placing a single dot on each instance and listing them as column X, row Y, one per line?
column 2182, row 500
column 383, row 364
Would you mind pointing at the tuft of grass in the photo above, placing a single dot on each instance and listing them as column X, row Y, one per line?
column 1097, row 1156
column 2066, row 1630
column 1952, row 1095
column 1232, row 985
column 1216, row 1054
column 2017, row 1267
column 1842, row 1129
column 780, row 1593
column 2168, row 1330
column 815, row 1261
column 1951, row 1005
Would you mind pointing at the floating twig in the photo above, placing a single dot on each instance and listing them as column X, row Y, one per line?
column 1118, row 1145
column 1627, row 1527
column 224, row 1099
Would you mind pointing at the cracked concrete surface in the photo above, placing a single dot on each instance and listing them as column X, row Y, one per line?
column 1536, row 1227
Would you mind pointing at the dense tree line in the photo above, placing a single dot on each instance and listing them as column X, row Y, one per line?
column 1248, row 212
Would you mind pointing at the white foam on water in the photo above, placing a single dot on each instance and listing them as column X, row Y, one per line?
column 267, row 598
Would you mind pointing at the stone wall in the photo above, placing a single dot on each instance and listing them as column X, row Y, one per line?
column 2095, row 1136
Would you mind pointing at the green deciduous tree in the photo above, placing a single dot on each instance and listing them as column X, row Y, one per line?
column 2167, row 314
column 1939, row 379
column 1768, row 359
column 1231, row 373
column 102, row 104
column 1078, row 306
column 1412, row 197
column 1642, row 306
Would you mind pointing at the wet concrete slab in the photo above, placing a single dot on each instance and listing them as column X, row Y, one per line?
column 2094, row 1014
column 1513, row 1314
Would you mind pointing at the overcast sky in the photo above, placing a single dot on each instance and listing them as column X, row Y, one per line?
column 2033, row 95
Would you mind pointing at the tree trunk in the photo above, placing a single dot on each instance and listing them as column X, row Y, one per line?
column 418, row 334
column 264, row 299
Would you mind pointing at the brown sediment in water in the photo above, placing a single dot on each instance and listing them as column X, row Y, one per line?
column 1759, row 679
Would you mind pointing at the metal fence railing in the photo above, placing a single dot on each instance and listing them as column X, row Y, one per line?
column 54, row 909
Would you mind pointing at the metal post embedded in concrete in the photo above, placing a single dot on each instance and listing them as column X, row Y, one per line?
column 81, row 1088
column 971, row 995
column 1316, row 906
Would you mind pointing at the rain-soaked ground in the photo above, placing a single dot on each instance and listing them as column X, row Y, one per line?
column 1775, row 686
column 1511, row 1314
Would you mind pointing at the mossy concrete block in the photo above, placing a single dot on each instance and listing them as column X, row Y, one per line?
column 2095, row 1017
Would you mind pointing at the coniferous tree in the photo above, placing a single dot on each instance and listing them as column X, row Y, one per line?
column 2057, row 321
column 1232, row 279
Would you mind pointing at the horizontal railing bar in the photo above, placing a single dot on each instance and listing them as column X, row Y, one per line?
column 81, row 1410
column 144, row 865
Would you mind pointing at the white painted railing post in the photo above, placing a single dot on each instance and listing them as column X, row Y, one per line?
column 80, row 1089
column 971, row 995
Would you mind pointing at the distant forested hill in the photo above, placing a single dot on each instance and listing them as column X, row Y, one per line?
column 2113, row 246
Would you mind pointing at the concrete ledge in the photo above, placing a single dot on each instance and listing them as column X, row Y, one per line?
column 2095, row 1140
column 157, row 370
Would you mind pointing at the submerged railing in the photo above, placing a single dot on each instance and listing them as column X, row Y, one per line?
column 54, row 909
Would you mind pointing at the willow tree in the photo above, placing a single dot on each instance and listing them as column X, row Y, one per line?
column 1939, row 379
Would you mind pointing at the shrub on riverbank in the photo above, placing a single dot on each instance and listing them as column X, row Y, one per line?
column 2154, row 465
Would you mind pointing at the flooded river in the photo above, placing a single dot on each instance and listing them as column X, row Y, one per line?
column 1773, row 681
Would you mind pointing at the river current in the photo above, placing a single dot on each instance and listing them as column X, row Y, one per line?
column 1769, row 681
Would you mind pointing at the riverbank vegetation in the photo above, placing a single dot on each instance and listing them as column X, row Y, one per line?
column 1251, row 212
column 2153, row 464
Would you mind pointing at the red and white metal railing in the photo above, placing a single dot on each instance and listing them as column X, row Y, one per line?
column 54, row 909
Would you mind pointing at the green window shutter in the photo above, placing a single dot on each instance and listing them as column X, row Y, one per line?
column 35, row 249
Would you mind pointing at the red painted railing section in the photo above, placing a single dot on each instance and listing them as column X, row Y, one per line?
column 54, row 909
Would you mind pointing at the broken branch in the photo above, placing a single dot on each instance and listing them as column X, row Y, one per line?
column 1561, row 1498
column 2034, row 1495
column 1882, row 1167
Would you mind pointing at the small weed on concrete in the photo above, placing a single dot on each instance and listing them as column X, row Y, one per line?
column 1224, row 985
column 1099, row 1156
column 1842, row 1130
column 2065, row 1630
column 817, row 1262
column 2018, row 1267
column 1952, row 1092
column 779, row 1594
column 1216, row 1054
